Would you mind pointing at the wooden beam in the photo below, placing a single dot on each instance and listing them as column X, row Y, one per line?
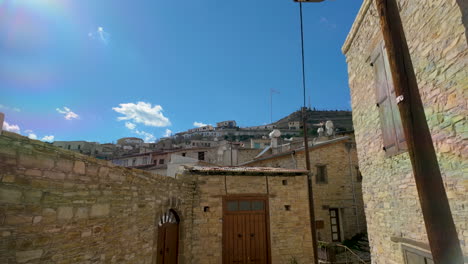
column 441, row 232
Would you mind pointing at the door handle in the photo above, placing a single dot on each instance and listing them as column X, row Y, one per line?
column 239, row 235
column 252, row 235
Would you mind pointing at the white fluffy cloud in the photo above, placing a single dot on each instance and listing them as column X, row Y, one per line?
column 147, row 137
column 199, row 124
column 11, row 128
column 167, row 133
column 129, row 125
column 48, row 138
column 32, row 136
column 69, row 115
column 143, row 113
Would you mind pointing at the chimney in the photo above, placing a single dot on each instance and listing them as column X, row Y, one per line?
column 274, row 135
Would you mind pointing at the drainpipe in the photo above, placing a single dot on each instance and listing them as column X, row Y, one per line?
column 349, row 146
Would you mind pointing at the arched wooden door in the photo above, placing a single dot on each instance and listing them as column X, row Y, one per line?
column 168, row 238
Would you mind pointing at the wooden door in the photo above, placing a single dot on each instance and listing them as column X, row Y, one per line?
column 168, row 239
column 245, row 230
column 335, row 225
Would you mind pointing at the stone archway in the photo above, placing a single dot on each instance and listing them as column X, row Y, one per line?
column 168, row 238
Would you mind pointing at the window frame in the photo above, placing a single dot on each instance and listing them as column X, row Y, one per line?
column 325, row 174
column 423, row 254
column 201, row 155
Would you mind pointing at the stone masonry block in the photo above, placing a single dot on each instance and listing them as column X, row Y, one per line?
column 8, row 195
column 33, row 172
column 64, row 165
column 79, row 167
column 99, row 210
column 103, row 171
column 8, row 178
column 82, row 212
column 55, row 175
column 32, row 196
column 64, row 213
column 92, row 170
column 25, row 256
column 29, row 161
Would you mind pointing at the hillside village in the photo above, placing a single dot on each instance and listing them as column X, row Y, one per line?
column 385, row 183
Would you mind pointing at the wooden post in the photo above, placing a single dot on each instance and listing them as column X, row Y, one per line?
column 313, row 228
column 441, row 232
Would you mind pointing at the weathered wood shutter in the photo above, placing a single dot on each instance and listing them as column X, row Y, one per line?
column 392, row 130
column 400, row 136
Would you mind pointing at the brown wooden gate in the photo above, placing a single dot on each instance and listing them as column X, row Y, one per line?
column 168, row 238
column 245, row 230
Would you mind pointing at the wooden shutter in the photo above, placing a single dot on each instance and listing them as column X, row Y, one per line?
column 392, row 131
column 400, row 136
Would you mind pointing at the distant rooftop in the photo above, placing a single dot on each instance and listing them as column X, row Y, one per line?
column 245, row 170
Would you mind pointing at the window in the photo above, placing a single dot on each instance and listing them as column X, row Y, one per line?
column 358, row 174
column 414, row 256
column 392, row 131
column 245, row 205
column 79, row 146
column 145, row 160
column 69, row 147
column 161, row 161
column 183, row 154
column 201, row 155
column 321, row 174
column 133, row 162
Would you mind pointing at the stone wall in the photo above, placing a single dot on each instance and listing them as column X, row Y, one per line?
column 290, row 234
column 438, row 46
column 57, row 206
column 342, row 189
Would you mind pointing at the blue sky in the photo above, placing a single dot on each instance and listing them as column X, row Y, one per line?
column 102, row 70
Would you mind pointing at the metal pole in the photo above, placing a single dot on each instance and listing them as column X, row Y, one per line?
column 306, row 149
column 440, row 227
column 271, row 106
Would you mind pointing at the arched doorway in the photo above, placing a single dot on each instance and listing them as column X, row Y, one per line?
column 168, row 238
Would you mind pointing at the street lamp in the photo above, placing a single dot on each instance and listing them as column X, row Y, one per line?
column 313, row 228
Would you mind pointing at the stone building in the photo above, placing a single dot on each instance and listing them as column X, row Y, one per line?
column 226, row 124
column 58, row 206
column 336, row 185
column 264, row 210
column 83, row 147
column 135, row 160
column 436, row 34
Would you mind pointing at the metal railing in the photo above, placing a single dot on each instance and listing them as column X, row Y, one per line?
column 338, row 254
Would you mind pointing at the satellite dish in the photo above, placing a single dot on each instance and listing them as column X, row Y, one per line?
column 320, row 131
column 275, row 134
column 330, row 128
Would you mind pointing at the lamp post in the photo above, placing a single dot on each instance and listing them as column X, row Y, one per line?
column 313, row 228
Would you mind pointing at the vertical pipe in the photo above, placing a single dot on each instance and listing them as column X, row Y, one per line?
column 349, row 147
column 441, row 231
